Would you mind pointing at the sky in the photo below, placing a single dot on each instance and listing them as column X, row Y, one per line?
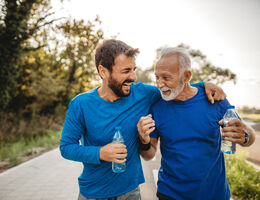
column 226, row 31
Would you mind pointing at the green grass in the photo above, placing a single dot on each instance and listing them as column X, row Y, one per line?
column 244, row 179
column 252, row 117
column 14, row 151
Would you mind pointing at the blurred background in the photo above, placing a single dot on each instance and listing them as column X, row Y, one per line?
column 47, row 52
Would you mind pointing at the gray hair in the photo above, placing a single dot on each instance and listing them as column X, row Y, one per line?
column 184, row 58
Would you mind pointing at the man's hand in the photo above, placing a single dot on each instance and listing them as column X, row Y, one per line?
column 145, row 126
column 234, row 131
column 113, row 152
column 214, row 93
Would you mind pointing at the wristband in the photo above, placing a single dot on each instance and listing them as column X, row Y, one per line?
column 246, row 138
column 145, row 147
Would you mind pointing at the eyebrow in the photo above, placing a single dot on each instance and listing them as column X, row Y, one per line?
column 128, row 69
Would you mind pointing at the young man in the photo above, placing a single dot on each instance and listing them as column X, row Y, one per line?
column 192, row 165
column 95, row 114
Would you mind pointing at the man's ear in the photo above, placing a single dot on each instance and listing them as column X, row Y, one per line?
column 187, row 76
column 103, row 72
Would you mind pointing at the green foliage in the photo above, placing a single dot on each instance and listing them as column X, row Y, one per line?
column 244, row 179
column 13, row 153
column 18, row 22
column 144, row 76
column 14, row 127
column 77, row 57
column 43, row 66
column 249, row 110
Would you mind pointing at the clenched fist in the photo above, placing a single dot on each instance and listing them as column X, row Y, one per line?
column 145, row 126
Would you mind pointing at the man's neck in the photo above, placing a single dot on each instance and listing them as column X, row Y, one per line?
column 107, row 94
column 187, row 93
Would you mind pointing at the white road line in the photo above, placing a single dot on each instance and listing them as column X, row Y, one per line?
column 155, row 176
column 255, row 166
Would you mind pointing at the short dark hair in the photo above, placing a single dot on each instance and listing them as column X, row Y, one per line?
column 109, row 50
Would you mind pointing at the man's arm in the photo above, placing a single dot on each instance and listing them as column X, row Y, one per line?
column 74, row 128
column 150, row 153
column 236, row 130
column 148, row 146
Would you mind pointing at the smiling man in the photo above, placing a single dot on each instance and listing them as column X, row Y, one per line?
column 192, row 165
column 95, row 114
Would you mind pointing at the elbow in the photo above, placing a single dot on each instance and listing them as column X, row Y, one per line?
column 147, row 156
column 63, row 151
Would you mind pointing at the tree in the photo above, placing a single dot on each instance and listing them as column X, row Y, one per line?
column 49, row 77
column 19, row 21
column 77, row 57
column 205, row 70
column 202, row 69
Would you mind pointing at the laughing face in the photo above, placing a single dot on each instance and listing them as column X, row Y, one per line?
column 168, row 77
column 122, row 75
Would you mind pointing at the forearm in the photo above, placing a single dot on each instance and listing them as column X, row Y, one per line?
column 147, row 155
column 251, row 136
column 150, row 153
column 76, row 152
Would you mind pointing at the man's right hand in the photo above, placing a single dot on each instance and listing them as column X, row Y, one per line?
column 145, row 126
column 112, row 152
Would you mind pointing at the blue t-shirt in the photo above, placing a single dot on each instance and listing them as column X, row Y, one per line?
column 94, row 118
column 192, row 164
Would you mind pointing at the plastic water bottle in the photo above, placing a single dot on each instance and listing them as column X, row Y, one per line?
column 118, row 138
column 227, row 146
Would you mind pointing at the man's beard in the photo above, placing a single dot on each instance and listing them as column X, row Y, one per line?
column 116, row 87
column 174, row 92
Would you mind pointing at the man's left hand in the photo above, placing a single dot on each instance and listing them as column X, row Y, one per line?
column 214, row 93
column 234, row 131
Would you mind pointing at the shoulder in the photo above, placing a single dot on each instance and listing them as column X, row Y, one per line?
column 223, row 105
column 144, row 87
column 83, row 97
column 159, row 104
column 149, row 92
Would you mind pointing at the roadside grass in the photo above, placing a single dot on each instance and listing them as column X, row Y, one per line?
column 244, row 179
column 14, row 153
column 252, row 117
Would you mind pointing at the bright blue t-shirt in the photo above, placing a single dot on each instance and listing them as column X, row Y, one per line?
column 94, row 118
column 192, row 164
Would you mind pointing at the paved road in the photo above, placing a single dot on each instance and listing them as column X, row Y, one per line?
column 47, row 177
column 50, row 177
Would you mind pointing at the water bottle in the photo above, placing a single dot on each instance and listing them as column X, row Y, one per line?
column 118, row 138
column 227, row 146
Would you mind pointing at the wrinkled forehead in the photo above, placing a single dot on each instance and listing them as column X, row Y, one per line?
column 167, row 64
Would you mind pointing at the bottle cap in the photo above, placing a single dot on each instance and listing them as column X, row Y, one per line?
column 230, row 107
column 118, row 128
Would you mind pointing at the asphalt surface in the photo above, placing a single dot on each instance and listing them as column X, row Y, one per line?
column 50, row 177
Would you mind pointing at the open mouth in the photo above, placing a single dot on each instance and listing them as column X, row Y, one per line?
column 126, row 84
column 165, row 91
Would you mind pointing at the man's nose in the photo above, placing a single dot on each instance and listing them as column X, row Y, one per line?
column 133, row 76
column 159, row 83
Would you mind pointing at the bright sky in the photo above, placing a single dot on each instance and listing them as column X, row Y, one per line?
column 227, row 31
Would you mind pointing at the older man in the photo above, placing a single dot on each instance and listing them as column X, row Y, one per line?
column 192, row 165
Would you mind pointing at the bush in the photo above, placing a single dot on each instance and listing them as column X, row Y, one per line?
column 244, row 179
column 14, row 128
